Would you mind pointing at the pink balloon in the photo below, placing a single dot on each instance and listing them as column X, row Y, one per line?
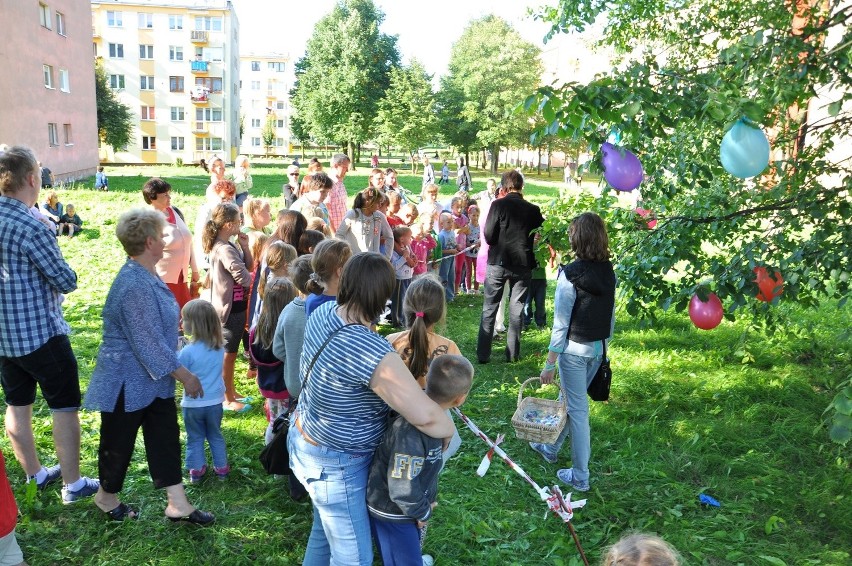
column 622, row 169
column 706, row 315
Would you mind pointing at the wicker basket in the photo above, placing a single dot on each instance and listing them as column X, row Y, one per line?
column 537, row 432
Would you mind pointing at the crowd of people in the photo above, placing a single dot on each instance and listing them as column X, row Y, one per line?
column 300, row 294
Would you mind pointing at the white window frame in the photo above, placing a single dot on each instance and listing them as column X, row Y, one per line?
column 66, row 129
column 64, row 81
column 146, row 51
column 146, row 82
column 177, row 113
column 175, row 53
column 146, row 20
column 255, row 65
column 176, row 21
column 44, row 15
column 60, row 23
column 149, row 143
column 255, row 122
column 147, row 113
column 276, row 66
column 178, row 143
column 52, row 134
column 47, row 71
column 116, row 50
column 116, row 82
column 115, row 19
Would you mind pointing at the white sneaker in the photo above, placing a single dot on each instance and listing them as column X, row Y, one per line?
column 428, row 560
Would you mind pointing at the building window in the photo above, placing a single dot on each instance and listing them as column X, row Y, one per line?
column 147, row 113
column 208, row 114
column 44, row 15
column 175, row 21
column 255, row 122
column 177, row 113
column 64, row 83
column 279, row 105
column 116, row 50
column 94, row 49
column 146, row 51
column 255, row 85
column 146, row 82
column 115, row 19
column 66, row 128
column 175, row 53
column 53, row 134
column 177, row 143
column 48, row 76
column 149, row 142
column 208, row 144
column 277, row 67
column 279, row 123
column 255, row 142
column 60, row 23
column 255, row 65
column 208, row 23
column 212, row 84
column 146, row 21
column 279, row 142
column 175, row 84
column 116, row 81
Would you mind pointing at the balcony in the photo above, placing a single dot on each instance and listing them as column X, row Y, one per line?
column 199, row 67
column 96, row 33
column 200, row 128
column 199, row 95
column 271, row 95
column 197, row 36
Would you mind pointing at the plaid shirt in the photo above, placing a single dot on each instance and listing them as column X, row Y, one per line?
column 335, row 202
column 33, row 276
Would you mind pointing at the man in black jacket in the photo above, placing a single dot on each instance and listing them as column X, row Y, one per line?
column 508, row 231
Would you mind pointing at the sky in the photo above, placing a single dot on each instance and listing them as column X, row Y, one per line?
column 425, row 30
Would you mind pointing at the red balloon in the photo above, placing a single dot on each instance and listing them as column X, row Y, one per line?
column 706, row 315
column 768, row 287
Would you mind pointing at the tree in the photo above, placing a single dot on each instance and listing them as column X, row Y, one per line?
column 268, row 133
column 407, row 115
column 704, row 66
column 344, row 74
column 492, row 69
column 115, row 121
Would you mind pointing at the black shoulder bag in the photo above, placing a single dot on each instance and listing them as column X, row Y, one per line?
column 275, row 456
column 599, row 387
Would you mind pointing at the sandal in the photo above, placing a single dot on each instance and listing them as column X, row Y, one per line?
column 122, row 512
column 197, row 517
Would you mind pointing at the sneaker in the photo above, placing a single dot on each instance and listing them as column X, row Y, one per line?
column 566, row 476
column 196, row 476
column 428, row 560
column 54, row 474
column 222, row 473
column 545, row 452
column 90, row 487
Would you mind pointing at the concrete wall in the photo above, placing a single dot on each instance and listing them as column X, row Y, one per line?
column 27, row 106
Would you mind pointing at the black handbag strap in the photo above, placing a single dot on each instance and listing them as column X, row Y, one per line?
column 320, row 350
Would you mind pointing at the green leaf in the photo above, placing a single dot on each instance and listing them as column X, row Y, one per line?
column 773, row 560
column 834, row 108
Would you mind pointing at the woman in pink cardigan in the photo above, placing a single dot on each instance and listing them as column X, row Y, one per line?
column 178, row 256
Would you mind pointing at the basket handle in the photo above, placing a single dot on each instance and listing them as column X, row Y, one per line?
column 536, row 378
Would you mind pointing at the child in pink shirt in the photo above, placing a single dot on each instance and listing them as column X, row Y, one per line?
column 462, row 229
column 421, row 245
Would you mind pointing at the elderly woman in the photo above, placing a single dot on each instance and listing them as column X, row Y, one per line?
column 133, row 384
column 343, row 410
column 364, row 226
column 178, row 255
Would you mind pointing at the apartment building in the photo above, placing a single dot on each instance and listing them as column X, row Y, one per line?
column 265, row 103
column 175, row 64
column 47, row 89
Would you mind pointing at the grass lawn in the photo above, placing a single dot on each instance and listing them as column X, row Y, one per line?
column 732, row 413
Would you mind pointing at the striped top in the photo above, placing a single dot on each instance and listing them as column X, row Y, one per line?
column 337, row 408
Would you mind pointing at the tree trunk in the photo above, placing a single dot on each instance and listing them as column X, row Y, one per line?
column 549, row 159
column 350, row 151
column 538, row 165
column 495, row 157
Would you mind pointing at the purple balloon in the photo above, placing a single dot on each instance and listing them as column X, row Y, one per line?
column 622, row 169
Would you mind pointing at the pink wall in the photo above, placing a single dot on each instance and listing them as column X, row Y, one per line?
column 27, row 106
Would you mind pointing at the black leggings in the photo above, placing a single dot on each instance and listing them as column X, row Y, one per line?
column 161, row 434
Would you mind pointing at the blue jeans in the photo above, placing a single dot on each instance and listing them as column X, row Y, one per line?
column 397, row 298
column 337, row 484
column 204, row 423
column 575, row 374
column 447, row 273
column 397, row 543
column 241, row 198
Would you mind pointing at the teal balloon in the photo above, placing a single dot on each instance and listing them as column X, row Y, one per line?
column 744, row 150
